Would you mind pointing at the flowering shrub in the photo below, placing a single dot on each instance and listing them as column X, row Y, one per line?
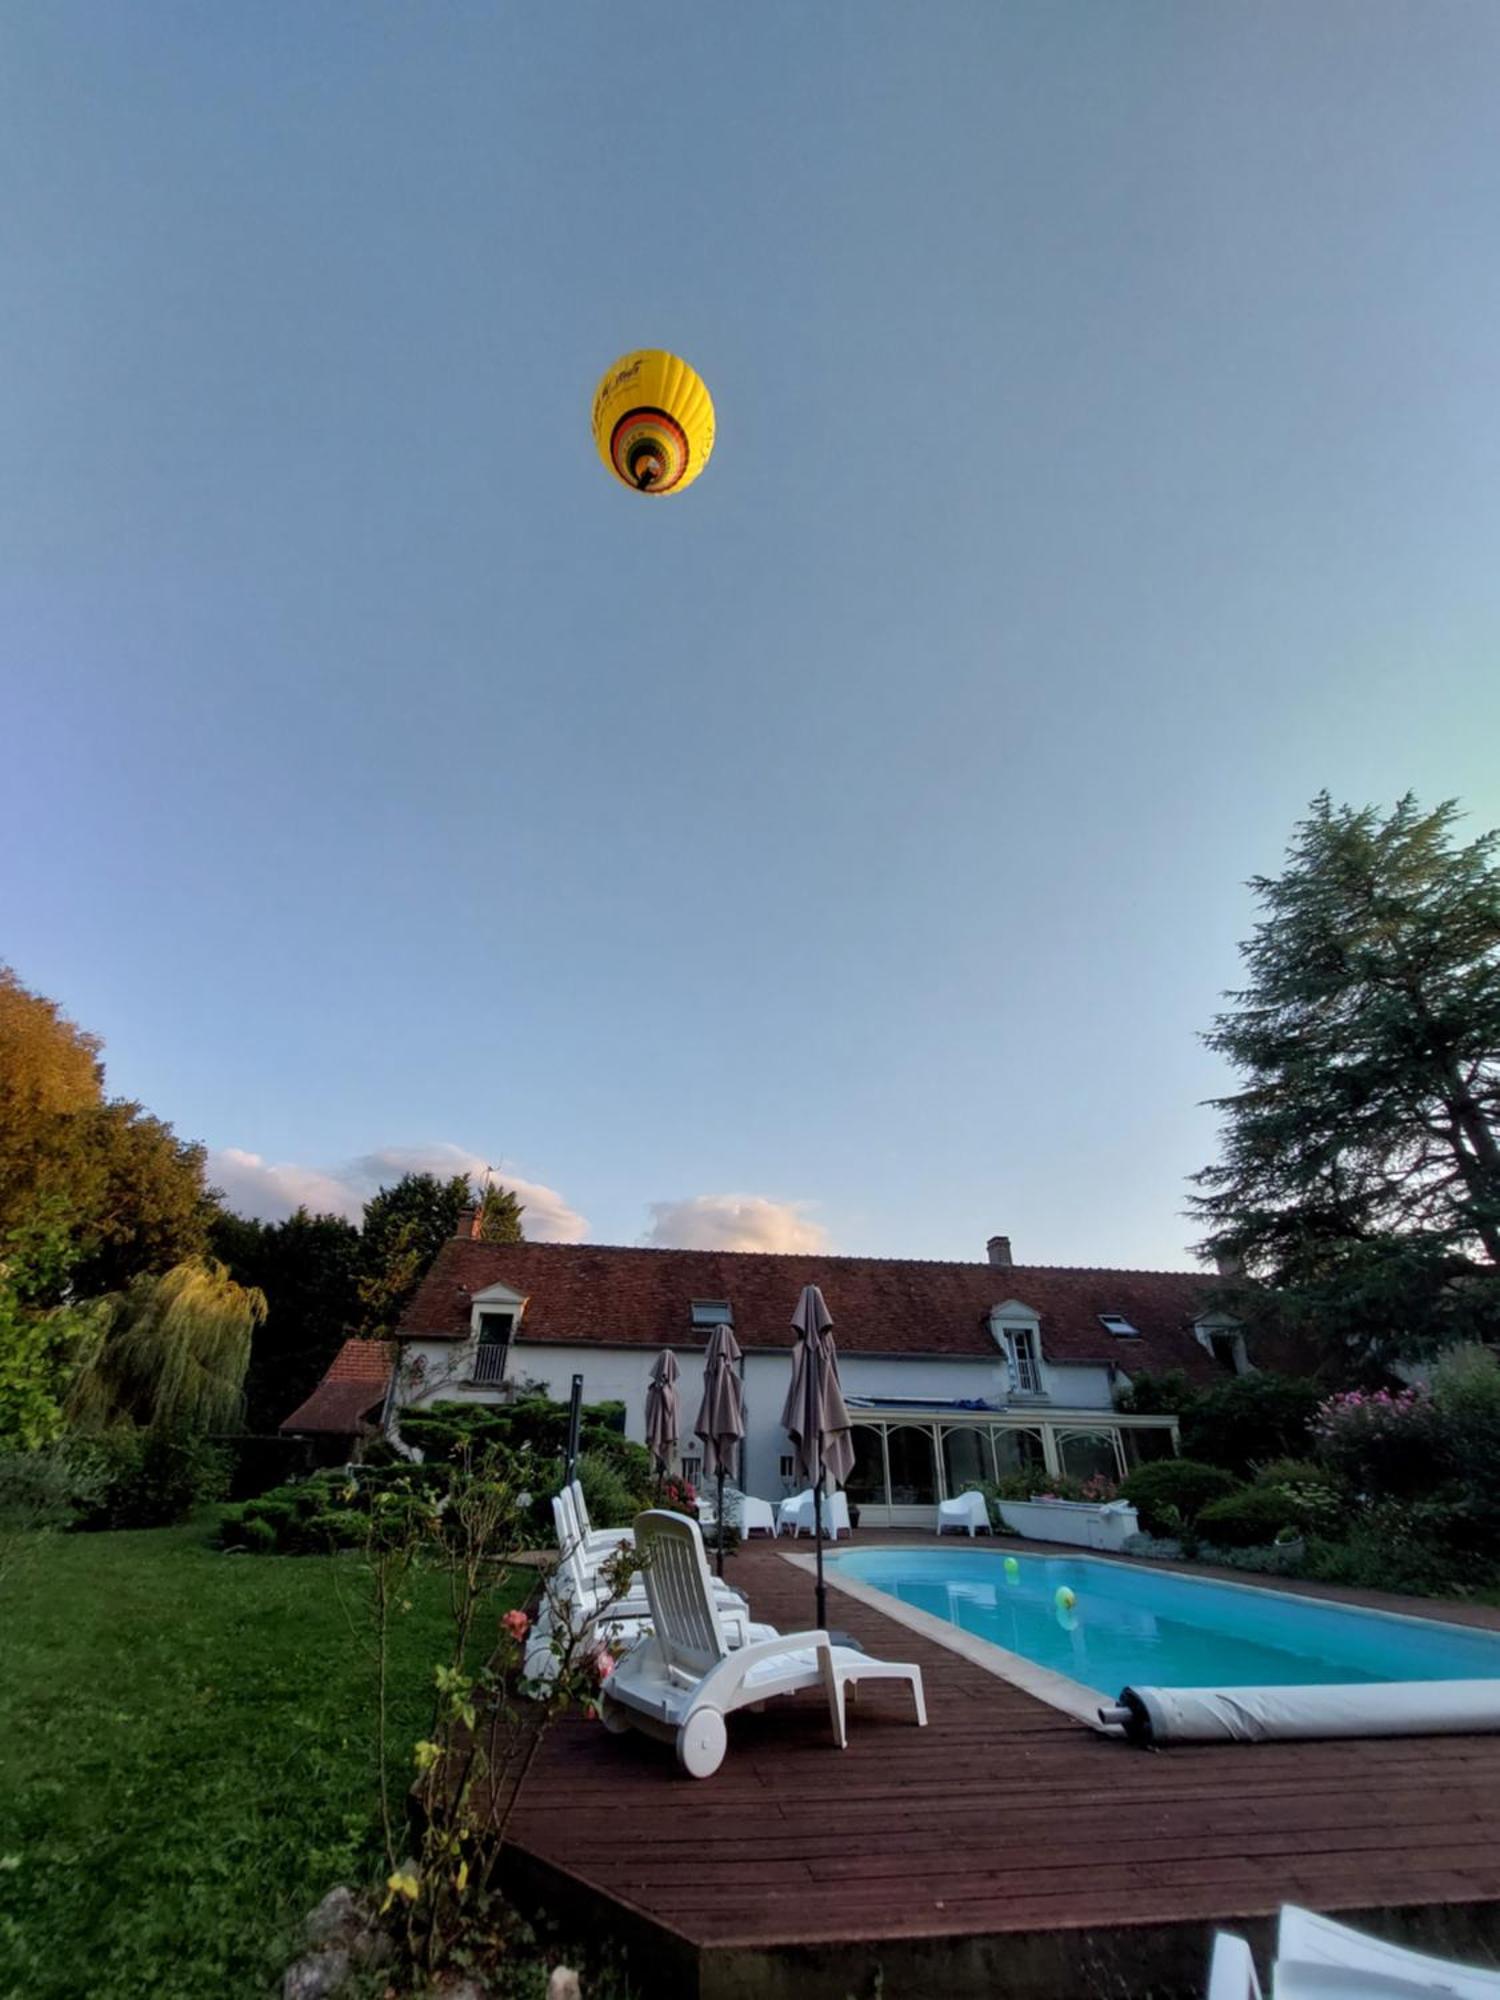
column 1380, row 1440
column 679, row 1496
column 597, row 1668
column 1101, row 1489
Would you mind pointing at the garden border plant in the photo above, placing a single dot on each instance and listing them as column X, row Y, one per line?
column 490, row 1714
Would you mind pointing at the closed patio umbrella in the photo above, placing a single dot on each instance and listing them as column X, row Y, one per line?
column 663, row 1411
column 815, row 1418
column 721, row 1420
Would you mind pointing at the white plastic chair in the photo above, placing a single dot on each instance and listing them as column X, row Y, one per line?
column 684, row 1680
column 756, row 1517
column 797, row 1515
column 968, row 1513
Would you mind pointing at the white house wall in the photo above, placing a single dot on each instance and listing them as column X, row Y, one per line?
column 620, row 1374
column 610, row 1374
column 1078, row 1387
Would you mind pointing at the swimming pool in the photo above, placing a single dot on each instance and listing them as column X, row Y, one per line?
column 1118, row 1625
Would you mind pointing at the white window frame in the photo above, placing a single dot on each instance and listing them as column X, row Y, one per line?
column 1221, row 1326
column 1017, row 1331
column 1025, row 1361
column 1118, row 1326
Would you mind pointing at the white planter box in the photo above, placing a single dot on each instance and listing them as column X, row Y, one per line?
column 1077, row 1521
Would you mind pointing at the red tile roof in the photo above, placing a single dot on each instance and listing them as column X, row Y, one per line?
column 595, row 1293
column 353, row 1387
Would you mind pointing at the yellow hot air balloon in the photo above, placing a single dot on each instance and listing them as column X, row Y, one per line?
column 653, row 421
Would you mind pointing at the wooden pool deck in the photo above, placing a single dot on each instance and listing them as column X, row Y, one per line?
column 1006, row 1850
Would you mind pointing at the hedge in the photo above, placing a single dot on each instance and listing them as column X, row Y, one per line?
column 1170, row 1493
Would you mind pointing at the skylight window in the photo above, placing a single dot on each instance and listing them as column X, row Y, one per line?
column 1117, row 1323
column 709, row 1313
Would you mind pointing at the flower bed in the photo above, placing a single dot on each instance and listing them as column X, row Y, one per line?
column 1085, row 1524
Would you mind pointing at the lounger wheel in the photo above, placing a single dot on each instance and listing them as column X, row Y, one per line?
column 612, row 1714
column 701, row 1743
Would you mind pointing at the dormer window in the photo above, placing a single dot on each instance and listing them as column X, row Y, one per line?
column 494, row 1315
column 492, row 1345
column 1017, row 1332
column 1221, row 1335
column 1117, row 1324
column 709, row 1313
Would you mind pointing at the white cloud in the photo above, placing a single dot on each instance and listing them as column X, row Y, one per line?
column 253, row 1186
column 733, row 1222
column 271, row 1190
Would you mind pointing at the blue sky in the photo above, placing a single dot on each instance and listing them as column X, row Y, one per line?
column 1109, row 413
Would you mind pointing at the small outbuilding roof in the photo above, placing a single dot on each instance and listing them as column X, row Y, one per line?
column 353, row 1387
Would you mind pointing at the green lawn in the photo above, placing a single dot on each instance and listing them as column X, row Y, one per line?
column 186, row 1761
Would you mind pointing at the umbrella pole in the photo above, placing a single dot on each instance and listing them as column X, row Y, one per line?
column 719, row 1519
column 575, row 1416
column 818, row 1539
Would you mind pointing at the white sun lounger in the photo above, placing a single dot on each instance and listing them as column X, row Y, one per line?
column 581, row 1603
column 682, row 1681
column 581, row 1583
column 592, row 1554
column 1231, row 1970
column 968, row 1513
column 1317, row 1959
column 619, row 1624
column 591, row 1539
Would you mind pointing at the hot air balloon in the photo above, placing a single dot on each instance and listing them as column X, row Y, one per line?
column 653, row 422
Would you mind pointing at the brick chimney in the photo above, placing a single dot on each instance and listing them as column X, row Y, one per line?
column 998, row 1252
column 1229, row 1264
column 467, row 1225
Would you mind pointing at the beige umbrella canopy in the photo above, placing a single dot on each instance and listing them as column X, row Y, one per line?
column 815, row 1417
column 721, row 1418
column 663, row 1410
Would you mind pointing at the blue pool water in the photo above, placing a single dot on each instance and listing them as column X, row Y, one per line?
column 1142, row 1627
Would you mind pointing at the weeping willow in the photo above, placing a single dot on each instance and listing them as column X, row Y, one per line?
column 172, row 1352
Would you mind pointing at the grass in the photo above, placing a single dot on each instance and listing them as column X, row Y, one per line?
column 187, row 1760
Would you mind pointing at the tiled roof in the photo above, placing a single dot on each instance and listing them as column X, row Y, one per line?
column 596, row 1293
column 353, row 1387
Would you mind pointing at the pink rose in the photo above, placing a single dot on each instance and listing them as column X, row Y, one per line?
column 517, row 1624
column 603, row 1663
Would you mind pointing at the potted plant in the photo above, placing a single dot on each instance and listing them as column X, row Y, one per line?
column 1290, row 1546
